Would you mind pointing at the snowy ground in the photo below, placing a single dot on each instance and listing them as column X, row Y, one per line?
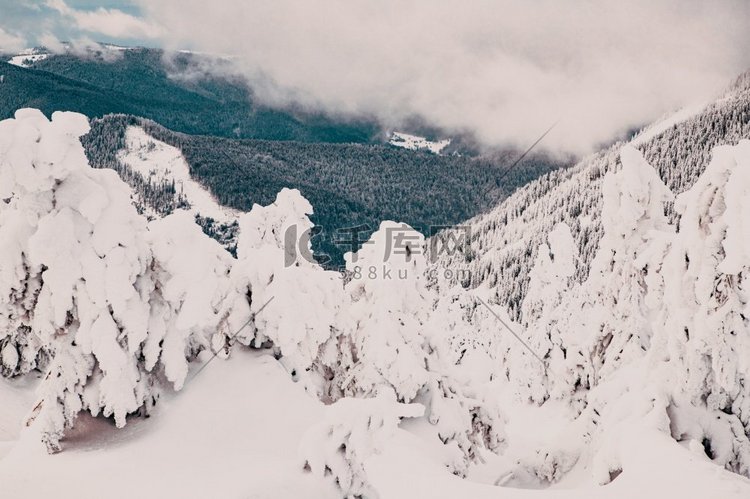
column 234, row 431
column 159, row 161
column 17, row 398
column 657, row 468
column 26, row 58
column 414, row 142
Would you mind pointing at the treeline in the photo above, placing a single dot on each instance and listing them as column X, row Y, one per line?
column 102, row 144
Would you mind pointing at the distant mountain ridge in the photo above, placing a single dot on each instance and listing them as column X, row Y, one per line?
column 181, row 95
column 196, row 94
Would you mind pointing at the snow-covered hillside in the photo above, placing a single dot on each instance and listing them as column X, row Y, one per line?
column 371, row 385
column 629, row 280
column 415, row 143
column 160, row 163
column 505, row 240
column 83, row 48
column 28, row 57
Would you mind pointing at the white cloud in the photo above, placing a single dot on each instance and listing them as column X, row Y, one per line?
column 82, row 46
column 51, row 43
column 11, row 42
column 110, row 22
column 503, row 69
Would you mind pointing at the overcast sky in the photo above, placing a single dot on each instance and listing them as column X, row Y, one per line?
column 504, row 70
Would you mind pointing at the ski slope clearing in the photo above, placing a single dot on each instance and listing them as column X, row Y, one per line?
column 415, row 143
column 160, row 162
column 27, row 59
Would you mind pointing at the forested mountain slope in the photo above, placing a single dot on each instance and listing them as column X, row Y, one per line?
column 504, row 241
column 26, row 87
column 349, row 185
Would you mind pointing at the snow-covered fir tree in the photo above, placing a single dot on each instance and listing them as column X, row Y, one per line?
column 117, row 304
column 86, row 246
column 613, row 318
column 704, row 317
column 353, row 430
column 276, row 271
column 551, row 280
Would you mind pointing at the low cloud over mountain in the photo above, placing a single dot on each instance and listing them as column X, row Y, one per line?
column 504, row 70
